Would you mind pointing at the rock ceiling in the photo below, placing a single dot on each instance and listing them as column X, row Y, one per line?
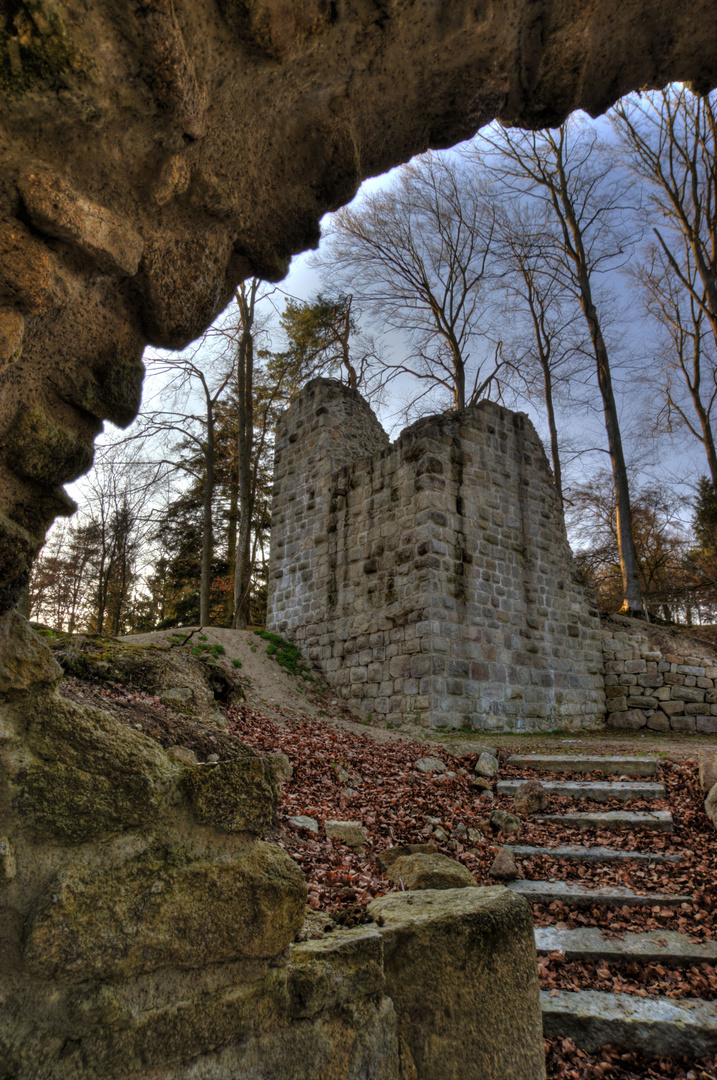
column 153, row 153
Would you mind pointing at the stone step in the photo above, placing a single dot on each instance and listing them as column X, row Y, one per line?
column 575, row 894
column 591, row 854
column 622, row 820
column 589, row 943
column 586, row 763
column 596, row 791
column 657, row 1026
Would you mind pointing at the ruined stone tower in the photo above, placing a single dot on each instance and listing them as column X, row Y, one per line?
column 431, row 578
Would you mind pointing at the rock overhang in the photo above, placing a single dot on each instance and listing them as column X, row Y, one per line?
column 155, row 157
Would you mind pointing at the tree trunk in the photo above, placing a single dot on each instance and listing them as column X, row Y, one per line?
column 344, row 337
column 232, row 523
column 207, row 525
column 245, row 440
column 707, row 437
column 632, row 603
column 554, row 449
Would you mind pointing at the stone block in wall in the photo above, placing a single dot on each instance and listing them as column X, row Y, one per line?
column 687, row 693
column 638, row 701
column 690, row 669
column 651, row 679
column 194, row 912
column 631, row 720
column 672, row 708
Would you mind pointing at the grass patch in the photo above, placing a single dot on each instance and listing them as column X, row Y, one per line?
column 287, row 655
column 208, row 652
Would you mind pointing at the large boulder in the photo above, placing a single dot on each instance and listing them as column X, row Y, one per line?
column 429, row 872
column 460, row 968
column 708, row 769
column 189, row 684
column 711, row 805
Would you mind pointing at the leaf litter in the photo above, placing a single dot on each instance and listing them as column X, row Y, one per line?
column 348, row 775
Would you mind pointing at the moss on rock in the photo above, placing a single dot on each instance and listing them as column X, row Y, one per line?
column 234, row 796
column 92, row 775
column 35, row 50
column 26, row 663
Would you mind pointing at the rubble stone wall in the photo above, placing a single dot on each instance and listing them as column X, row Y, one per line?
column 148, row 932
column 649, row 687
column 431, row 578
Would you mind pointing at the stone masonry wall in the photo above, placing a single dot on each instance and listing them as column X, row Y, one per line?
column 431, row 578
column 650, row 687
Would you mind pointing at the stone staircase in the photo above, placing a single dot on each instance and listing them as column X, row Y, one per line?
column 655, row 1025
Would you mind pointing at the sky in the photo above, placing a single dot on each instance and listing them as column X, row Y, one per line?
column 664, row 463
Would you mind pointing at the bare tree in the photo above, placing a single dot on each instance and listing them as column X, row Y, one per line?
column 189, row 436
column 566, row 172
column 417, row 258
column 669, row 139
column 541, row 338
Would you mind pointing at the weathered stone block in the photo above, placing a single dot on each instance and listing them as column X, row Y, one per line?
column 687, row 693
column 240, row 795
column 336, row 970
column 91, row 776
column 166, row 909
column 473, row 982
column 351, row 833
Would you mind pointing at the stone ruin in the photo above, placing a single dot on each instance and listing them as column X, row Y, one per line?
column 431, row 579
column 152, row 156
